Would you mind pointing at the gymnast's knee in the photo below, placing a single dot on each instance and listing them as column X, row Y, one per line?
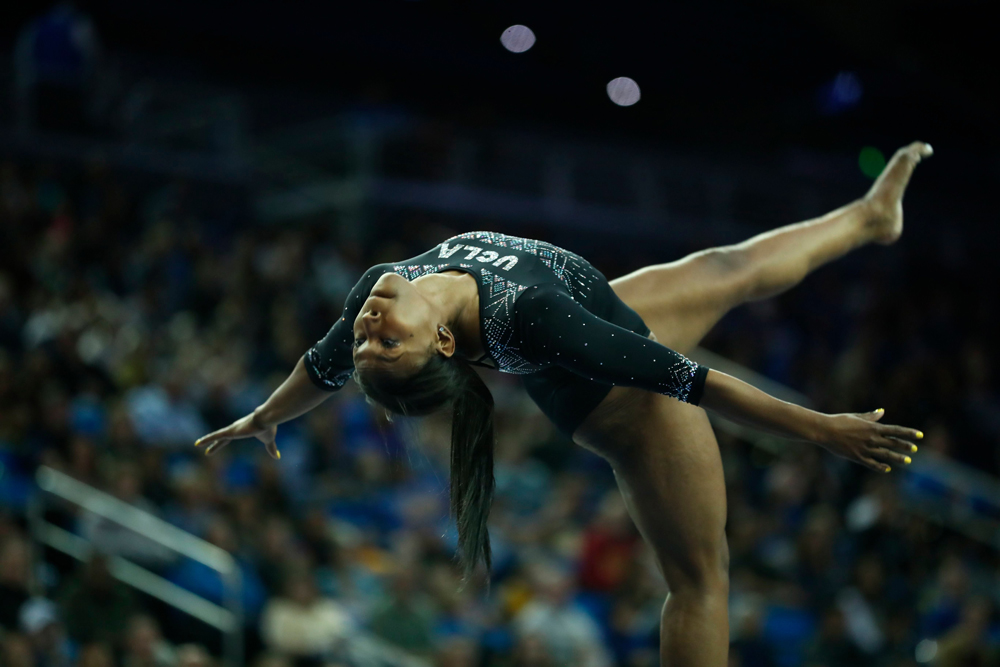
column 704, row 572
column 732, row 266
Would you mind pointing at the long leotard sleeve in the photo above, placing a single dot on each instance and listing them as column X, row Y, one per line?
column 555, row 329
column 330, row 362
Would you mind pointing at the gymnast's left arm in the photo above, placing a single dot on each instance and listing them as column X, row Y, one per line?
column 553, row 328
column 858, row 437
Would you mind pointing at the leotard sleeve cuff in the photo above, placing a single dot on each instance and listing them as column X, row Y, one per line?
column 698, row 385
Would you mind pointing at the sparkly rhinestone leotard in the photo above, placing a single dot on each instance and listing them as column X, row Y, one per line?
column 545, row 313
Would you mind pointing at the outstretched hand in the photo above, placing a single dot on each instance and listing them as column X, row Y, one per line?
column 862, row 439
column 245, row 427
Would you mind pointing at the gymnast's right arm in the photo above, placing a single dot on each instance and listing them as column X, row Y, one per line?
column 322, row 370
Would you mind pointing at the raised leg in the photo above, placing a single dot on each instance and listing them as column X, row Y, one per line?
column 680, row 301
column 667, row 464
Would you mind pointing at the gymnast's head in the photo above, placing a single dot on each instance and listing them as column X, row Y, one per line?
column 405, row 361
column 399, row 337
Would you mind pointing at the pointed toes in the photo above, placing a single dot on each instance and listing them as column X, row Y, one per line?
column 919, row 149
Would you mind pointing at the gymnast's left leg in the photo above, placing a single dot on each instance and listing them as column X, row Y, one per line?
column 680, row 301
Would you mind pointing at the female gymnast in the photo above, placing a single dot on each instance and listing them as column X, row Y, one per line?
column 603, row 360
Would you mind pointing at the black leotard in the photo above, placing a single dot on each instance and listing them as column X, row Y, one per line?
column 537, row 306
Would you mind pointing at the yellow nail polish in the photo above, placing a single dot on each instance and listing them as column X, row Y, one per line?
column 920, row 434
column 887, row 468
column 907, row 460
column 197, row 442
column 278, row 453
column 880, row 410
column 913, row 448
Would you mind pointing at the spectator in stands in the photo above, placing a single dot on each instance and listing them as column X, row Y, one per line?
column 532, row 651
column 268, row 659
column 145, row 646
column 15, row 572
column 193, row 655
column 458, row 651
column 15, row 649
column 302, row 624
column 96, row 654
column 406, row 616
column 833, row 647
column 208, row 583
column 97, row 606
column 969, row 642
column 41, row 624
column 571, row 636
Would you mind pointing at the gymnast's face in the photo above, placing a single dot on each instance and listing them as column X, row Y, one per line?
column 397, row 328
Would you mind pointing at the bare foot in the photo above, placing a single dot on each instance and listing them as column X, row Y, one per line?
column 885, row 199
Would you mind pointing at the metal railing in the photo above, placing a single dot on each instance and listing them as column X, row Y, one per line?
column 228, row 619
column 362, row 648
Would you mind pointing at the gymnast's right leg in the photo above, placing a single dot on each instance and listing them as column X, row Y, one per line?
column 680, row 301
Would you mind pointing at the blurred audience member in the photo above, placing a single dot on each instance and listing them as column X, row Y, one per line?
column 833, row 647
column 145, row 646
column 969, row 642
column 96, row 654
column 16, row 651
column 572, row 637
column 41, row 624
column 15, row 572
column 300, row 623
column 97, row 606
column 406, row 616
column 193, row 655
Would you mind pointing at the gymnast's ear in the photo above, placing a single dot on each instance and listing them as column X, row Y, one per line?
column 444, row 342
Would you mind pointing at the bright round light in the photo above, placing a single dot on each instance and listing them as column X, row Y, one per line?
column 623, row 91
column 518, row 38
column 926, row 650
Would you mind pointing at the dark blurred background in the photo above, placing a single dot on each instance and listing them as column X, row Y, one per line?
column 188, row 191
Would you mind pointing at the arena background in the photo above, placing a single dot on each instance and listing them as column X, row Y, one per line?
column 188, row 190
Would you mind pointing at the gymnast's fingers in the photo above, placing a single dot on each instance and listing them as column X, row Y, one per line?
column 214, row 436
column 216, row 446
column 873, row 464
column 900, row 445
column 890, row 457
column 901, row 432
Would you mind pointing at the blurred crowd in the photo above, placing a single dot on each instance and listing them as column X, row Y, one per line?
column 136, row 317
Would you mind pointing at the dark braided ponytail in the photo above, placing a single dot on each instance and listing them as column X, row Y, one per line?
column 441, row 382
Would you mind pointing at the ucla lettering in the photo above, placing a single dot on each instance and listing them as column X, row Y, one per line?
column 487, row 256
column 506, row 262
column 448, row 252
column 510, row 259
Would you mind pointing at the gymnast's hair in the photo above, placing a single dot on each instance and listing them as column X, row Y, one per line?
column 442, row 382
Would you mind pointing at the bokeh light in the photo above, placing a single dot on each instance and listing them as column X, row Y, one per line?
column 518, row 38
column 841, row 94
column 623, row 91
column 872, row 161
column 926, row 651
